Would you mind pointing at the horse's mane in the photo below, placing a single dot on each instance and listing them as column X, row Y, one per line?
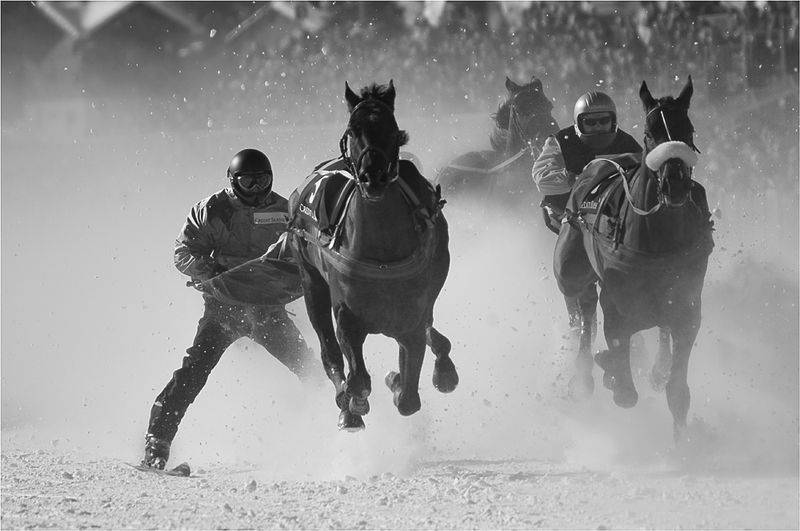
column 498, row 138
column 381, row 93
column 378, row 92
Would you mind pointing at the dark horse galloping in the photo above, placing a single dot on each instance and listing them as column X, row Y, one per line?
column 372, row 245
column 522, row 123
column 647, row 237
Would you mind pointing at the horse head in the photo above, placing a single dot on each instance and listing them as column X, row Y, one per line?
column 371, row 143
column 670, row 152
column 524, row 118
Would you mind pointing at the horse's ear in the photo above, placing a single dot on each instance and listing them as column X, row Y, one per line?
column 536, row 84
column 686, row 94
column 646, row 97
column 511, row 86
column 390, row 94
column 351, row 97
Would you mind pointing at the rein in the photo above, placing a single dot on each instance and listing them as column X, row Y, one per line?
column 503, row 165
column 513, row 126
column 627, row 189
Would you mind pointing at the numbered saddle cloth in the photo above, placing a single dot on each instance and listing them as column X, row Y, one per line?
column 317, row 207
column 598, row 197
column 319, row 203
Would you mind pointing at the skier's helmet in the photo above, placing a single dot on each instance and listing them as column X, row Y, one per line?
column 250, row 173
column 593, row 103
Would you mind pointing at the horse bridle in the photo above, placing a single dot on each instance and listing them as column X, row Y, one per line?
column 662, row 197
column 513, row 121
column 391, row 168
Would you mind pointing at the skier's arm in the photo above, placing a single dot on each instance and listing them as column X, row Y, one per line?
column 194, row 246
column 549, row 170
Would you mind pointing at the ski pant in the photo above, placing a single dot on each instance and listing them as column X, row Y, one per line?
column 219, row 327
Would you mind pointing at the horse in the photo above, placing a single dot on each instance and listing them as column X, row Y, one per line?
column 522, row 123
column 643, row 228
column 369, row 235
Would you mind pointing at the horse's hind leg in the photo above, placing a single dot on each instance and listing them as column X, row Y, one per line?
column 358, row 385
column 445, row 376
column 576, row 279
column 616, row 361
column 573, row 312
column 405, row 384
column 663, row 364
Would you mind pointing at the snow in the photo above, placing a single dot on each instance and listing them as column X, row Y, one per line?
column 95, row 319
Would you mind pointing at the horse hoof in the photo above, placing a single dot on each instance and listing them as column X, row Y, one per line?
column 350, row 421
column 407, row 405
column 608, row 381
column 581, row 387
column 603, row 360
column 392, row 380
column 445, row 376
column 625, row 398
column 359, row 405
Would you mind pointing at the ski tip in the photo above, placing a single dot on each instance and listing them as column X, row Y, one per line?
column 182, row 470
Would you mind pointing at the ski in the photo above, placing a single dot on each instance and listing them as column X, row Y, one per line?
column 182, row 470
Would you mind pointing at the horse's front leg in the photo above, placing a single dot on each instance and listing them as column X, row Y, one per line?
column 317, row 297
column 659, row 374
column 445, row 376
column 405, row 384
column 358, row 385
column 678, row 395
column 616, row 361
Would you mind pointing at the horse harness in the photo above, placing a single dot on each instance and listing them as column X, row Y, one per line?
column 601, row 197
column 326, row 240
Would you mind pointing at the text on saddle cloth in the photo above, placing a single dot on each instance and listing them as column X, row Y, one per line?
column 318, row 209
column 323, row 197
column 596, row 178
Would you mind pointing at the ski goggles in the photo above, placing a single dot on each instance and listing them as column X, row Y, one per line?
column 254, row 182
column 591, row 122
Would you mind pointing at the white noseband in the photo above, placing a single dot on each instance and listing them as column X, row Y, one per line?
column 671, row 150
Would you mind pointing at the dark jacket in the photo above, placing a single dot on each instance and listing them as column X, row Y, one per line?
column 564, row 156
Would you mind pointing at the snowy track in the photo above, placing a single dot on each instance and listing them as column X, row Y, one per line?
column 42, row 489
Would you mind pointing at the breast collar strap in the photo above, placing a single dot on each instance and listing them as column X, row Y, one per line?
column 409, row 267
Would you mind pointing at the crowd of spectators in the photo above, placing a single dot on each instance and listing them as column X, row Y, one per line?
column 285, row 72
column 284, row 64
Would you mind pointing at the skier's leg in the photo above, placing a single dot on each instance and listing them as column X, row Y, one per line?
column 215, row 332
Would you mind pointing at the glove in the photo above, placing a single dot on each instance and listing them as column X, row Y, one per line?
column 197, row 283
column 556, row 203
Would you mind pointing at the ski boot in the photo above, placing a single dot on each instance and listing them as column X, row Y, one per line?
column 156, row 452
